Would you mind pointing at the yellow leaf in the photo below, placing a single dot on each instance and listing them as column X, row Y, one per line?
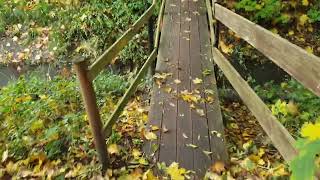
column 190, row 97
column 11, row 168
column 225, row 48
column 197, row 81
column 136, row 153
column 274, row 31
column 309, row 49
column 292, row 108
column 200, row 112
column 290, row 33
column 154, row 128
column 150, row 136
column 218, row 167
column 175, row 172
column 113, row 149
column 148, row 175
column 305, row 2
column 5, row 155
column 177, row 81
column 143, row 161
column 192, row 146
column 37, row 125
column 311, row 131
column 303, row 19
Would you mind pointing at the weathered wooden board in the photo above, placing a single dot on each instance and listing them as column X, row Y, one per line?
column 296, row 61
column 168, row 143
column 280, row 137
column 200, row 129
column 214, row 116
column 184, row 122
column 185, row 36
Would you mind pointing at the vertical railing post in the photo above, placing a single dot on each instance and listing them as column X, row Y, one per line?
column 151, row 43
column 89, row 98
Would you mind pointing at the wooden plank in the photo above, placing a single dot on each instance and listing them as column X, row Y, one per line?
column 296, row 61
column 184, row 121
column 280, row 137
column 168, row 143
column 113, row 51
column 158, row 94
column 213, row 111
column 126, row 97
column 199, row 123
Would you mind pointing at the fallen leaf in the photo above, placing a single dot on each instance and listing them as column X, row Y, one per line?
column 197, row 81
column 309, row 49
column 175, row 172
column 136, row 153
column 150, row 136
column 192, row 146
column 208, row 153
column 154, row 128
column 200, row 112
column 113, row 149
column 184, row 135
column 177, row 81
column 303, row 19
column 227, row 49
column 218, row 167
column 165, row 129
column 305, row 2
column 5, row 155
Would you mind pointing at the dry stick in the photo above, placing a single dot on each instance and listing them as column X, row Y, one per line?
column 92, row 110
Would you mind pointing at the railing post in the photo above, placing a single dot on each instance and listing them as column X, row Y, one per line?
column 151, row 43
column 89, row 98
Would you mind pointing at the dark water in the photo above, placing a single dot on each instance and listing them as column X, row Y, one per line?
column 9, row 73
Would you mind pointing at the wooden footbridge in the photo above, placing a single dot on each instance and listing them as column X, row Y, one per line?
column 184, row 102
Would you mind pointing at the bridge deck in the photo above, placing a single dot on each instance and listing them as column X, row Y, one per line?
column 186, row 109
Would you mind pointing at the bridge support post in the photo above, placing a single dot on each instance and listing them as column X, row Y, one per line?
column 92, row 111
column 151, row 70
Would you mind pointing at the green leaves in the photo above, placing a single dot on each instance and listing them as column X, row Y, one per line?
column 303, row 167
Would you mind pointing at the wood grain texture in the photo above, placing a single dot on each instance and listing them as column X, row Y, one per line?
column 280, row 137
column 294, row 60
column 214, row 116
column 184, row 37
column 170, row 57
column 184, row 121
column 199, row 123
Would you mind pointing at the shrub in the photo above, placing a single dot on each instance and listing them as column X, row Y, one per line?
column 39, row 115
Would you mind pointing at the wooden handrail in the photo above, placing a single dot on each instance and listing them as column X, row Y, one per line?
column 113, row 51
column 279, row 136
column 86, row 74
column 126, row 97
column 300, row 64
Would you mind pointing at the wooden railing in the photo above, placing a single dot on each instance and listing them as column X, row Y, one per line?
column 301, row 65
column 86, row 73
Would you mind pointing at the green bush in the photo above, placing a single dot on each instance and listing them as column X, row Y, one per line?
column 39, row 115
column 314, row 15
column 291, row 103
column 74, row 25
column 264, row 11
